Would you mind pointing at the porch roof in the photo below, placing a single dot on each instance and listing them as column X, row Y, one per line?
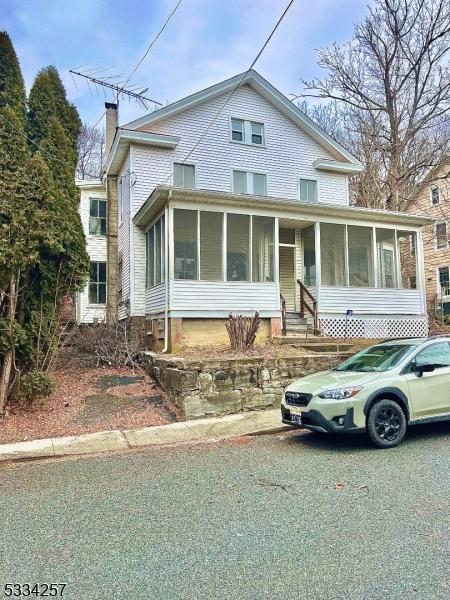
column 308, row 211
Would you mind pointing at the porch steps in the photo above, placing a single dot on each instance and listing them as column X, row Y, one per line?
column 313, row 343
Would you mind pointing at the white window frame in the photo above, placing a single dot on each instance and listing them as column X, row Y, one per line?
column 189, row 164
column 97, row 283
column 247, row 132
column 249, row 182
column 435, row 187
column 445, row 246
column 438, row 279
column 98, row 235
column 308, row 178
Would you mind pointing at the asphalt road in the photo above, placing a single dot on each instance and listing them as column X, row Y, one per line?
column 281, row 516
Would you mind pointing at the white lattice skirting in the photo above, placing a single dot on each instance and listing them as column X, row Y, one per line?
column 374, row 328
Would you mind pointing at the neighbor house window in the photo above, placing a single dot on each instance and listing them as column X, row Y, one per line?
column 444, row 281
column 238, row 247
column 97, row 216
column 435, row 196
column 308, row 190
column 332, row 250
column 184, row 176
column 97, row 283
column 262, row 249
column 441, row 235
column 155, row 253
column 412, row 282
column 246, row 182
column 185, row 227
column 211, row 234
column 247, row 132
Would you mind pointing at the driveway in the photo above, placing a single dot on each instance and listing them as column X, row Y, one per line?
column 283, row 516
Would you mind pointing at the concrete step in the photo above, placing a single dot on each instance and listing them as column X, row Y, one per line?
column 298, row 321
column 314, row 343
column 294, row 328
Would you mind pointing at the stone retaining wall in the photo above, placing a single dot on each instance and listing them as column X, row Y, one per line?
column 219, row 387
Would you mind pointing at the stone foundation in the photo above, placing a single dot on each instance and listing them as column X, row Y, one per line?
column 219, row 387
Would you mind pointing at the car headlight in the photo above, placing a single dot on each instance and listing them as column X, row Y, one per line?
column 340, row 394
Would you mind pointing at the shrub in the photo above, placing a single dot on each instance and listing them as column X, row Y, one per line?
column 242, row 330
column 35, row 385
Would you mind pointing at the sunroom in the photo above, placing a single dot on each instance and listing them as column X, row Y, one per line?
column 348, row 271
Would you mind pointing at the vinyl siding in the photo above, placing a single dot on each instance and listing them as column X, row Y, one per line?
column 371, row 301
column 155, row 299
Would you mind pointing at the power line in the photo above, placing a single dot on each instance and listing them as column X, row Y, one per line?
column 227, row 100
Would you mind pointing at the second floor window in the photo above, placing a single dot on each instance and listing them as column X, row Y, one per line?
column 184, row 176
column 308, row 190
column 246, row 182
column 435, row 196
column 247, row 132
column 97, row 216
column 441, row 235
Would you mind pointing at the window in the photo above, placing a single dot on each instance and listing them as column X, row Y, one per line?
column 245, row 182
column 441, row 235
column 97, row 283
column 437, row 355
column 386, row 258
column 308, row 190
column 332, row 247
column 211, row 235
column 184, row 176
column 238, row 246
column 185, row 244
column 237, row 130
column 97, row 216
column 247, row 132
column 412, row 282
column 435, row 196
column 444, row 281
column 155, row 254
column 262, row 249
column 360, row 256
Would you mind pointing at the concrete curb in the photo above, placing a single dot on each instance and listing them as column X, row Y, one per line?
column 201, row 430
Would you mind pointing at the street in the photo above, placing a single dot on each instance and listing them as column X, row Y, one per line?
column 299, row 516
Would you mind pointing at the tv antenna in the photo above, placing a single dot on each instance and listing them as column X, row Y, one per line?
column 132, row 92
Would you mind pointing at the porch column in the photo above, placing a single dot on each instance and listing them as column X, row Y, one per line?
column 318, row 263
column 420, row 268
column 276, row 254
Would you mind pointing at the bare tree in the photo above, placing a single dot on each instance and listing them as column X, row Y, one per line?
column 91, row 148
column 393, row 80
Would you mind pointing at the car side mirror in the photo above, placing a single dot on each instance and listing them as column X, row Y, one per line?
column 425, row 368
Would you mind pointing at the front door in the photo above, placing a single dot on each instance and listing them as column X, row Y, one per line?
column 287, row 275
column 430, row 393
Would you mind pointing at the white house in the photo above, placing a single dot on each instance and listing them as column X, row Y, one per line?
column 232, row 200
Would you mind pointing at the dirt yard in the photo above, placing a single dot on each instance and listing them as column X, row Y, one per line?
column 88, row 399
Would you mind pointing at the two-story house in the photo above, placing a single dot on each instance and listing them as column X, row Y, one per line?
column 433, row 199
column 233, row 200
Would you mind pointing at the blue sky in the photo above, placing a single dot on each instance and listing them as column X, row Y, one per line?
column 205, row 42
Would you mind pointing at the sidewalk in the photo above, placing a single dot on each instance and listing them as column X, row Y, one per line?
column 265, row 421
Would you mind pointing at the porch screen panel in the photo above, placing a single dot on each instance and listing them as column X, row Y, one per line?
column 360, row 256
column 238, row 247
column 406, row 250
column 386, row 258
column 211, row 230
column 309, row 256
column 332, row 251
column 185, row 244
column 158, row 252
column 150, row 256
column 263, row 248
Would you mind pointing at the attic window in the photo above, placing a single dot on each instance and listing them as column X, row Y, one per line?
column 247, row 132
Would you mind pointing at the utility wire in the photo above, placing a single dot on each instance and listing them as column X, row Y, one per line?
column 227, row 100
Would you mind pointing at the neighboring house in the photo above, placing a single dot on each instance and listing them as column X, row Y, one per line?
column 433, row 199
column 227, row 199
column 90, row 304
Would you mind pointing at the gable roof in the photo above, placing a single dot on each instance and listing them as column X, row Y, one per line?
column 270, row 93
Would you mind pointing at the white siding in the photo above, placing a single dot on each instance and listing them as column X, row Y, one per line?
column 289, row 153
column 155, row 299
column 223, row 296
column 96, row 249
column 123, row 241
column 371, row 301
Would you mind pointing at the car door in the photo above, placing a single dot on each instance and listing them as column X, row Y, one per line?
column 430, row 393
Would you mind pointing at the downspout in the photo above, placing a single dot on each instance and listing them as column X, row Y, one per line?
column 166, row 273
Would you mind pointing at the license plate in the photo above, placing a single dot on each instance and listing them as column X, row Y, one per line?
column 296, row 419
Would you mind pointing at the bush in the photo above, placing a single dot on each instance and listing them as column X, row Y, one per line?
column 242, row 330
column 34, row 385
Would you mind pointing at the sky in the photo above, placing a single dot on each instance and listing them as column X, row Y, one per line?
column 205, row 42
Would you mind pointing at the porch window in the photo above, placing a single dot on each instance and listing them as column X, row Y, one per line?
column 211, row 234
column 238, row 245
column 155, row 253
column 309, row 256
column 360, row 256
column 97, row 216
column 333, row 250
column 97, row 283
column 262, row 249
column 308, row 190
column 408, row 261
column 184, row 176
column 185, row 244
column 386, row 258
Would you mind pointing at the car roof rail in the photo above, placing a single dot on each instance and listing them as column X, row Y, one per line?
column 398, row 339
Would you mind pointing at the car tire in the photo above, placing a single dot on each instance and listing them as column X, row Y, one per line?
column 386, row 423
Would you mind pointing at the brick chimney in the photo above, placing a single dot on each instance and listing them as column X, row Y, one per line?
column 112, row 122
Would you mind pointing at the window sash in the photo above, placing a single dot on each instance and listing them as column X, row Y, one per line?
column 441, row 235
column 184, row 176
column 308, row 190
column 257, row 133
column 237, row 130
column 248, row 182
column 435, row 196
column 97, row 283
column 155, row 253
column 247, row 132
column 97, row 216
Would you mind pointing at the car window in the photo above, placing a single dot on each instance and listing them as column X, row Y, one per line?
column 376, row 358
column 437, row 355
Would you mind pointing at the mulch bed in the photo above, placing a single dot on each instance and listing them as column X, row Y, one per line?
column 88, row 399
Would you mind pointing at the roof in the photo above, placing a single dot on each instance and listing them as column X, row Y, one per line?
column 274, row 96
column 89, row 183
column 306, row 210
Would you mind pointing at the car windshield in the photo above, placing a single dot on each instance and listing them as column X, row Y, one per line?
column 376, row 359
